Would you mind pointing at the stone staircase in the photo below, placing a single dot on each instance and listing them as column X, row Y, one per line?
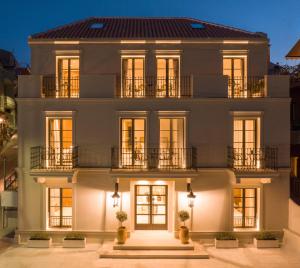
column 153, row 245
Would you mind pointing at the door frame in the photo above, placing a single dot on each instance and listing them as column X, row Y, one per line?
column 151, row 226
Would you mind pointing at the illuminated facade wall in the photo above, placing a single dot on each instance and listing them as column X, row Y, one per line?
column 100, row 120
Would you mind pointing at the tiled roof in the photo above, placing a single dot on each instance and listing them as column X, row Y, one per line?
column 147, row 28
column 294, row 52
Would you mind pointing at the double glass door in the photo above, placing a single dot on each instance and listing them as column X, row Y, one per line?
column 245, row 207
column 60, row 141
column 234, row 68
column 68, row 78
column 151, row 207
column 172, row 152
column 133, row 142
column 167, row 77
column 246, row 143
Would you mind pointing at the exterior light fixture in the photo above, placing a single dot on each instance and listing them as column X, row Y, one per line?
column 116, row 196
column 191, row 196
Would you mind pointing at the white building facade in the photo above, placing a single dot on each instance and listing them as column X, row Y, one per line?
column 151, row 109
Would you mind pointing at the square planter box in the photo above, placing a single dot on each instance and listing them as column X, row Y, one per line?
column 74, row 243
column 266, row 243
column 39, row 243
column 226, row 243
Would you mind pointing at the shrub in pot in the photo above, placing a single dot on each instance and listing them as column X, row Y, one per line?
column 226, row 240
column 122, row 232
column 74, row 240
column 183, row 230
column 39, row 240
column 266, row 240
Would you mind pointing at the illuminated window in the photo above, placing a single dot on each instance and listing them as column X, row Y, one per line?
column 171, row 142
column 245, row 207
column 60, row 207
column 67, row 77
column 167, row 84
column 60, row 141
column 133, row 79
column 246, row 142
column 235, row 69
column 133, row 142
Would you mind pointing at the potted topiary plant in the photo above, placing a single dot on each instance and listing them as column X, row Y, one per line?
column 74, row 240
column 122, row 232
column 39, row 240
column 226, row 240
column 266, row 240
column 183, row 230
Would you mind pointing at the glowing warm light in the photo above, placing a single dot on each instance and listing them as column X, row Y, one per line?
column 133, row 41
column 235, row 42
column 168, row 42
column 41, row 180
column 265, row 180
column 143, row 182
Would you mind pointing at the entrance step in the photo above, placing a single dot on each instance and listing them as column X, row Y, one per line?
column 173, row 244
column 154, row 254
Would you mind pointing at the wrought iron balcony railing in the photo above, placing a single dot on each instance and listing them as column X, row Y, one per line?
column 154, row 158
column 60, row 221
column 54, row 158
column 54, row 87
column 251, row 159
column 244, row 222
column 154, row 87
column 246, row 87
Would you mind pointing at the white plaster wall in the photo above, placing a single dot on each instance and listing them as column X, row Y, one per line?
column 294, row 217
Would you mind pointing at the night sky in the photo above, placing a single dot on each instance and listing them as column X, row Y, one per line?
column 280, row 19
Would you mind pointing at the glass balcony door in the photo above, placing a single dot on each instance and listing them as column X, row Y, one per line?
column 245, row 207
column 151, row 207
column 60, row 142
column 167, row 81
column 133, row 80
column 60, row 207
column 67, row 78
column 172, row 152
column 133, row 143
column 234, row 68
column 246, row 143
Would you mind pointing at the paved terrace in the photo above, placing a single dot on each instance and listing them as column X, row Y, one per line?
column 13, row 256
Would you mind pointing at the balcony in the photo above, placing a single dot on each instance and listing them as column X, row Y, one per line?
column 246, row 87
column 154, row 158
column 49, row 158
column 252, row 159
column 154, row 87
column 53, row 87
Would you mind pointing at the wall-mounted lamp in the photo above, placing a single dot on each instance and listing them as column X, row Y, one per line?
column 116, row 196
column 191, row 196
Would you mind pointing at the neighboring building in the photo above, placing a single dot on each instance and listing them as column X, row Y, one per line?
column 150, row 108
column 9, row 71
column 294, row 209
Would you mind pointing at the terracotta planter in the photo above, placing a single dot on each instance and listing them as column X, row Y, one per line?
column 266, row 243
column 121, row 235
column 184, row 235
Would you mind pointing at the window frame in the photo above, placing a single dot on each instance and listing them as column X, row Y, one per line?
column 61, row 225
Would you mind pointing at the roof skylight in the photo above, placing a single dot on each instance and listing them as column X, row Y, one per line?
column 97, row 25
column 197, row 25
